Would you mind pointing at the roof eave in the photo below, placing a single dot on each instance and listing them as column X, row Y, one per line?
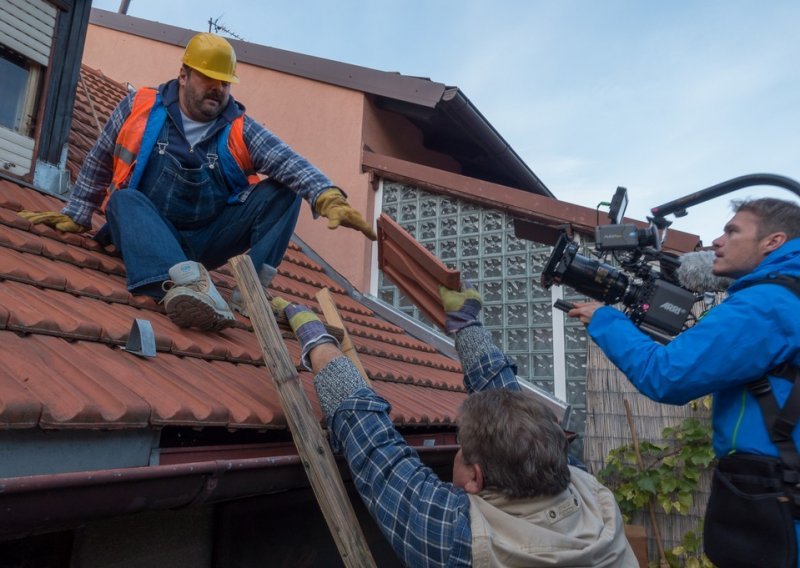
column 455, row 105
column 510, row 200
column 33, row 503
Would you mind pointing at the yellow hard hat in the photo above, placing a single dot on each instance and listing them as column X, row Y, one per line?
column 213, row 56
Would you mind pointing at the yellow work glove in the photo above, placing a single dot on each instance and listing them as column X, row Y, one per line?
column 52, row 219
column 333, row 205
column 461, row 309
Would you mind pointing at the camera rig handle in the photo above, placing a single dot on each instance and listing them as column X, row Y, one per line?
column 679, row 206
column 563, row 305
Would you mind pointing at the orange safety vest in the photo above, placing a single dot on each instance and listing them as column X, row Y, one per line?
column 129, row 142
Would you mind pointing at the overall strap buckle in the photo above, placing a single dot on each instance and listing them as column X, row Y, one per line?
column 212, row 160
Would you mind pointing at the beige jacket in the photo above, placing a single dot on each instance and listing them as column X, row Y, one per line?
column 580, row 527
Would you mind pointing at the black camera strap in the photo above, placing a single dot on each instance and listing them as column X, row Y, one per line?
column 781, row 422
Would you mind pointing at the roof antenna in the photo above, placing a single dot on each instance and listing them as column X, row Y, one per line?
column 123, row 6
column 215, row 26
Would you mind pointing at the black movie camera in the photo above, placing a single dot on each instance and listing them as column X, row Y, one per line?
column 658, row 301
column 654, row 299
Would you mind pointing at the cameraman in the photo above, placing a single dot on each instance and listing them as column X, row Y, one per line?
column 753, row 332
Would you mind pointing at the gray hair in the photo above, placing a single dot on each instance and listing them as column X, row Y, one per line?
column 515, row 439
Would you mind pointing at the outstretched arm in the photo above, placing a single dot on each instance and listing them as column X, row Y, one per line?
column 485, row 365
column 273, row 157
column 425, row 519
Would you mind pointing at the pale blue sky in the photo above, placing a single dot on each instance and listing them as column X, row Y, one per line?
column 665, row 98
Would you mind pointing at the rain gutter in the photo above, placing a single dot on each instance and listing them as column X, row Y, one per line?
column 48, row 502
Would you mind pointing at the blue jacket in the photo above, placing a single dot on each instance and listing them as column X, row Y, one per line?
column 751, row 332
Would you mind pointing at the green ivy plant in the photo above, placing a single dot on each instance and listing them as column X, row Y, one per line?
column 689, row 554
column 668, row 476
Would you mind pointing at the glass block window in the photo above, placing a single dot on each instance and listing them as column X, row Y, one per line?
column 480, row 242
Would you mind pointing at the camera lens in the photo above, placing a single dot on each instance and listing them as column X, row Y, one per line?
column 595, row 279
column 586, row 275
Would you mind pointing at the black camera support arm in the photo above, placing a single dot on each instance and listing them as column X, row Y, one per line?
column 679, row 206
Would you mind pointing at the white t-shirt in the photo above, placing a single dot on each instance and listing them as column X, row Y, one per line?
column 194, row 130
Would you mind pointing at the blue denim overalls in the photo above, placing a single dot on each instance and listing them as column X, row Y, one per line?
column 179, row 214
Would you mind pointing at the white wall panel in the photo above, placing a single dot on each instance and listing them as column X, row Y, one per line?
column 16, row 152
column 27, row 26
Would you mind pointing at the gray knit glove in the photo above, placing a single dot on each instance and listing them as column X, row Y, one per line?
column 309, row 330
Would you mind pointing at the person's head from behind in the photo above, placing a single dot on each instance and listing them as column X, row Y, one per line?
column 511, row 443
column 758, row 227
column 209, row 68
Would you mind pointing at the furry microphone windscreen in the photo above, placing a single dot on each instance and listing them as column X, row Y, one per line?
column 695, row 274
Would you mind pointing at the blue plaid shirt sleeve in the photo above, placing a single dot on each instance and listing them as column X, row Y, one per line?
column 493, row 370
column 95, row 174
column 425, row 519
column 274, row 158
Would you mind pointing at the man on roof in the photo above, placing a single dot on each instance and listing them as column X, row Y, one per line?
column 513, row 502
column 175, row 170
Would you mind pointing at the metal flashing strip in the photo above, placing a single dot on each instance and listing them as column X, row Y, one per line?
column 141, row 339
column 53, row 452
column 21, row 182
column 327, row 269
column 412, row 326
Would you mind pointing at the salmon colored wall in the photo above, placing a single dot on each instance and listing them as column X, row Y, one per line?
column 394, row 135
column 322, row 122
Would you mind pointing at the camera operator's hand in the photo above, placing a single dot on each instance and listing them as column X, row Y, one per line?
column 584, row 311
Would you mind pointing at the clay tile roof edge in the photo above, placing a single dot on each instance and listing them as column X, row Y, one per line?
column 421, row 332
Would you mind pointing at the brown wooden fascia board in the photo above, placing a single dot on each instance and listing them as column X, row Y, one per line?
column 514, row 202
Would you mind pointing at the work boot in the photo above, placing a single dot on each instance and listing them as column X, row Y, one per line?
column 193, row 301
column 265, row 276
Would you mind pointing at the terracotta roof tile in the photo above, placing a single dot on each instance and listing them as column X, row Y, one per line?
column 13, row 196
column 413, row 268
column 110, row 288
column 30, row 268
column 3, row 317
column 18, row 407
column 43, row 311
column 67, row 315
column 393, row 370
column 72, row 384
column 294, row 255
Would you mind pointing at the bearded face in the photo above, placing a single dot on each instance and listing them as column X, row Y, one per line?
column 202, row 98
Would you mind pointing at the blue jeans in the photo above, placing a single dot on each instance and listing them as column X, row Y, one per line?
column 151, row 244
